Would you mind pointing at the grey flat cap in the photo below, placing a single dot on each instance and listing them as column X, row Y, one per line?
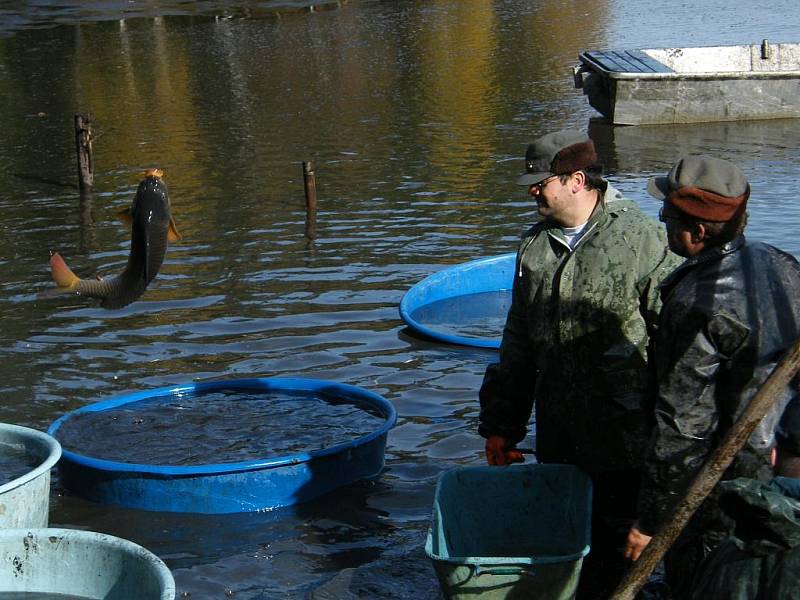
column 557, row 153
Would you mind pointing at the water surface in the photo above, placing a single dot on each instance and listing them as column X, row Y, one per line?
column 217, row 427
column 15, row 462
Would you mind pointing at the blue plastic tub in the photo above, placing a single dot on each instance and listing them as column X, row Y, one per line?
column 25, row 500
column 464, row 304
column 254, row 485
column 520, row 531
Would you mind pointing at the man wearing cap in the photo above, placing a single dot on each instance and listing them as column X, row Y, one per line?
column 729, row 313
column 761, row 556
column 575, row 340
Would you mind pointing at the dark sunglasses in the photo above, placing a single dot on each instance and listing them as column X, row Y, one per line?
column 540, row 186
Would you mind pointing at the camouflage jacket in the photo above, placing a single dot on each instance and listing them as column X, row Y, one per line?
column 729, row 314
column 575, row 340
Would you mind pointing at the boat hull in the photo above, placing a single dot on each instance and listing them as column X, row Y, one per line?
column 630, row 98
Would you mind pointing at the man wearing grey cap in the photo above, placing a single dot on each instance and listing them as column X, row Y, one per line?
column 761, row 556
column 575, row 341
column 729, row 313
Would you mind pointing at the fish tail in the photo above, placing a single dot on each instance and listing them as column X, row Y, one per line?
column 63, row 276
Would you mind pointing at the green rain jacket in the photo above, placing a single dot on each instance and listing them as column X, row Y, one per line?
column 575, row 340
column 761, row 558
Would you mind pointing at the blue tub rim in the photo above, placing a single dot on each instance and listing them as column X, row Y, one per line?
column 48, row 441
column 257, row 383
column 408, row 306
column 162, row 571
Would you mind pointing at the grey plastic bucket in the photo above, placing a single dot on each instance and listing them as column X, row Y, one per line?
column 79, row 563
column 25, row 501
column 520, row 531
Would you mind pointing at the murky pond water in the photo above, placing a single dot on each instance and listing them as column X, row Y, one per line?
column 206, row 428
column 416, row 116
column 15, row 462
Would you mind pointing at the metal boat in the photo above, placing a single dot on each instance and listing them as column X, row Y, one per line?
column 692, row 84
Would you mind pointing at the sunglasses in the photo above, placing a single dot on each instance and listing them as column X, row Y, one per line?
column 538, row 187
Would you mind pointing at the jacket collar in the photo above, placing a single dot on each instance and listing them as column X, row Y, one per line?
column 712, row 254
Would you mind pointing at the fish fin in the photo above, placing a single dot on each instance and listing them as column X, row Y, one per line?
column 125, row 215
column 154, row 172
column 63, row 276
column 172, row 233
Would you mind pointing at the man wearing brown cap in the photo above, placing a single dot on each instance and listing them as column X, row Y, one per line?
column 729, row 312
column 575, row 340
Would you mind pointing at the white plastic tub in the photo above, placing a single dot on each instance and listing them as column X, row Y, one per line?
column 82, row 564
column 25, row 500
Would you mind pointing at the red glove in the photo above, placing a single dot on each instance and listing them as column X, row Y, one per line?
column 500, row 452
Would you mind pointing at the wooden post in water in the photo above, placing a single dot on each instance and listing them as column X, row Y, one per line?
column 310, row 184
column 83, row 148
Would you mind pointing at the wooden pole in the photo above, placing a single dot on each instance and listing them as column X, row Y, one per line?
column 83, row 148
column 710, row 473
column 86, row 226
column 310, row 184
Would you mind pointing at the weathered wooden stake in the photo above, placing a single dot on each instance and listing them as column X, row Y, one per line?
column 711, row 472
column 83, row 147
column 87, row 236
column 310, row 183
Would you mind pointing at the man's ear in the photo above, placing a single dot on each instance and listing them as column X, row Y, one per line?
column 578, row 179
column 698, row 232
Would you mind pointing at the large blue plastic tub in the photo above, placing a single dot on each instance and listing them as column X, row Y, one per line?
column 464, row 304
column 231, row 487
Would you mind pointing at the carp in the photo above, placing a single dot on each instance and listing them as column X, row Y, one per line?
column 152, row 227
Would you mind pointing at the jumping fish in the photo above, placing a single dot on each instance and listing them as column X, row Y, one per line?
column 152, row 227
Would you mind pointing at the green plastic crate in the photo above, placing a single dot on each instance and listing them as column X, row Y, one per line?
column 520, row 531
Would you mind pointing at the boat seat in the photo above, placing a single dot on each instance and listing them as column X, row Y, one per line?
column 627, row 61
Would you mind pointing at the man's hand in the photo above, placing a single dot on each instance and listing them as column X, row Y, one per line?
column 500, row 452
column 636, row 542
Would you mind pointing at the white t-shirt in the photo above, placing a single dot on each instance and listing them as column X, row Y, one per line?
column 573, row 234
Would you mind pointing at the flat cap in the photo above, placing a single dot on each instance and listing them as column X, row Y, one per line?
column 558, row 153
column 704, row 187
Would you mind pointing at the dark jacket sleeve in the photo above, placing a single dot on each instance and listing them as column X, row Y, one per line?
column 694, row 349
column 506, row 395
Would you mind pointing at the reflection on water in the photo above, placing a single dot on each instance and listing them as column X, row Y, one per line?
column 416, row 115
column 766, row 150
